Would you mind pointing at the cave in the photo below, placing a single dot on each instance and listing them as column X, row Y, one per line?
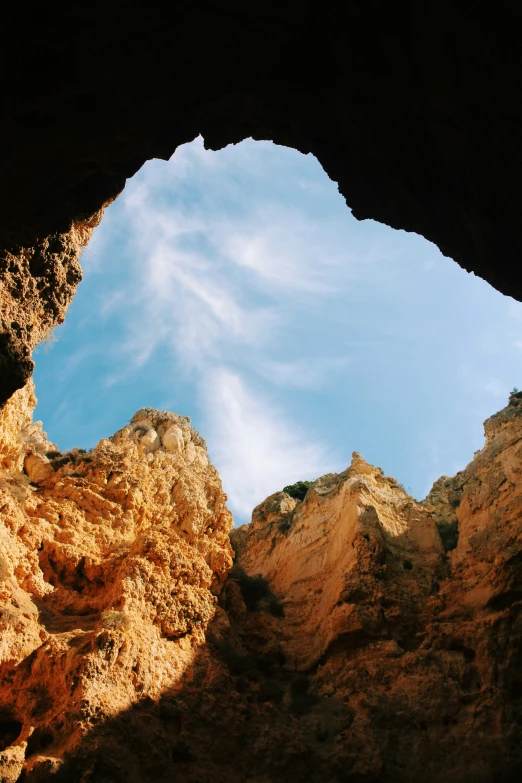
column 412, row 109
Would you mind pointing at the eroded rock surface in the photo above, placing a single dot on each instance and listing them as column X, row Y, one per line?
column 110, row 565
column 360, row 635
column 37, row 284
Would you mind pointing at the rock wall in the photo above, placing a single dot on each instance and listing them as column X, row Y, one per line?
column 359, row 636
column 37, row 285
column 411, row 108
column 109, row 569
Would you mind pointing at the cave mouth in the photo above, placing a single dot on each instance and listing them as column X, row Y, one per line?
column 235, row 287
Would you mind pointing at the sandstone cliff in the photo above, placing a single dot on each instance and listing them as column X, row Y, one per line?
column 360, row 635
column 110, row 565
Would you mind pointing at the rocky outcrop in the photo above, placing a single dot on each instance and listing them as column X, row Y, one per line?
column 37, row 285
column 110, row 565
column 409, row 108
column 359, row 636
column 406, row 616
column 344, row 559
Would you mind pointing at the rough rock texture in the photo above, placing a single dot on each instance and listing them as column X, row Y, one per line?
column 109, row 568
column 353, row 640
column 37, row 285
column 344, row 559
column 411, row 107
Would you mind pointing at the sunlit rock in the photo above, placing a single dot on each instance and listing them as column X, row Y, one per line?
column 173, row 440
column 358, row 627
column 151, row 440
column 38, row 468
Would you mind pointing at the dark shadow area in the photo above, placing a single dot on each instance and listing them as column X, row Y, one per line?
column 411, row 108
column 390, row 703
column 9, row 731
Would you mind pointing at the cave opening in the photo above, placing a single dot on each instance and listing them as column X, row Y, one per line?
column 408, row 107
column 236, row 287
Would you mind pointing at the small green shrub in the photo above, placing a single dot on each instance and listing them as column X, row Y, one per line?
column 11, row 616
column 59, row 462
column 449, row 534
column 297, row 490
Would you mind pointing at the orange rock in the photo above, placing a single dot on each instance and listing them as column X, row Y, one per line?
column 109, row 576
column 361, row 635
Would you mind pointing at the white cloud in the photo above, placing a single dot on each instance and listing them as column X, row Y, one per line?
column 515, row 309
column 209, row 290
column 304, row 374
column 257, row 450
column 278, row 248
column 496, row 388
column 283, row 247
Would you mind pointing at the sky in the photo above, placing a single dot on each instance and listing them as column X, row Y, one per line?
column 235, row 287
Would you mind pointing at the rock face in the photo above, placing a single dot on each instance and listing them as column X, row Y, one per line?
column 360, row 635
column 411, row 109
column 109, row 569
column 37, row 285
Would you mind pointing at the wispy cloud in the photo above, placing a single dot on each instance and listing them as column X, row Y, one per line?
column 236, row 288
column 302, row 373
column 181, row 293
column 181, row 297
column 257, row 448
column 496, row 388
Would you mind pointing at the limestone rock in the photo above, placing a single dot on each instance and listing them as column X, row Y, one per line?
column 328, row 558
column 151, row 440
column 190, row 452
column 109, row 576
column 352, row 640
column 172, row 440
column 38, row 468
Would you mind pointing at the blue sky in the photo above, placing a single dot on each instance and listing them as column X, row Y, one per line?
column 235, row 287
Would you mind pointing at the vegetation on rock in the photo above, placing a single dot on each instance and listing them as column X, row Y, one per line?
column 449, row 534
column 298, row 490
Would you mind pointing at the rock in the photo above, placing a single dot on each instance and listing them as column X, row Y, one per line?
column 327, row 556
column 352, row 640
column 109, row 577
column 173, row 440
column 201, row 456
column 151, row 440
column 11, row 763
column 190, row 452
column 18, row 432
column 38, row 468
column 399, row 625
